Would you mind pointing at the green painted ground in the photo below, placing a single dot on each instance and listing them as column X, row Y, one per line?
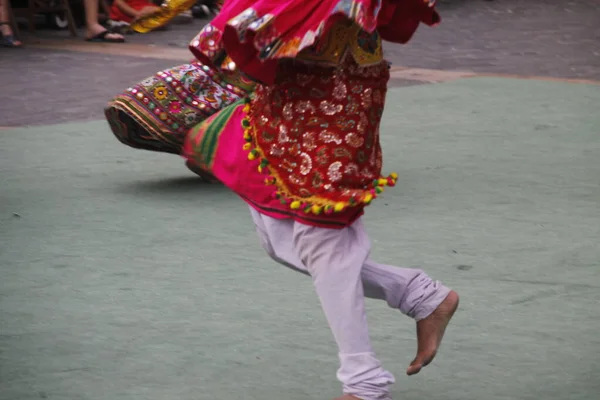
column 123, row 277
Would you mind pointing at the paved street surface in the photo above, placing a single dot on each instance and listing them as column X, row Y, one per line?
column 122, row 278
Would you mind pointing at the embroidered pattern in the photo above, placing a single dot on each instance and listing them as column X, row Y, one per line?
column 169, row 103
column 319, row 143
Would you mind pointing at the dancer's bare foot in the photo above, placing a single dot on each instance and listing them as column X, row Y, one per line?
column 430, row 332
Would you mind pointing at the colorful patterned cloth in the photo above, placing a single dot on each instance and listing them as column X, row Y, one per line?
column 156, row 113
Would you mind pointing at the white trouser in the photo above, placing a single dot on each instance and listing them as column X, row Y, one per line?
column 338, row 262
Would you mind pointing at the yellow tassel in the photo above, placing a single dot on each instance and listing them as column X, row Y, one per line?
column 339, row 207
column 394, row 175
column 247, row 146
column 251, row 156
column 382, row 182
column 368, row 198
column 246, row 108
column 316, row 209
column 295, row 205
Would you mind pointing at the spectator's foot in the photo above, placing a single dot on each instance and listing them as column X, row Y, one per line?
column 8, row 39
column 98, row 33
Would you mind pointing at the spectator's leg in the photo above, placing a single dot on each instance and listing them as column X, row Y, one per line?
column 6, row 19
column 93, row 27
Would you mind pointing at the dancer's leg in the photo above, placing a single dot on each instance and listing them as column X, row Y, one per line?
column 334, row 259
column 409, row 290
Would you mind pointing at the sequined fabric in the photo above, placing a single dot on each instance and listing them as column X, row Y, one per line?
column 156, row 113
column 317, row 129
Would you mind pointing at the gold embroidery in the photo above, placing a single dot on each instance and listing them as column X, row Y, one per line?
column 342, row 39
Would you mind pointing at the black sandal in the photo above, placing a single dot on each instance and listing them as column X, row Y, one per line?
column 9, row 40
column 101, row 37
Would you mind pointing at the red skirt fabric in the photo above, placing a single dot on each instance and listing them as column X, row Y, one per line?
column 317, row 132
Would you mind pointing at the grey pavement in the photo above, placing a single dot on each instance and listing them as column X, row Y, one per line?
column 46, row 86
column 123, row 277
column 522, row 37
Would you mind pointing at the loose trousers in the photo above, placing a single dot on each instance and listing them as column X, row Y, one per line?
column 338, row 262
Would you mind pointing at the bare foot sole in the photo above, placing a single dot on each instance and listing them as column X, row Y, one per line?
column 430, row 332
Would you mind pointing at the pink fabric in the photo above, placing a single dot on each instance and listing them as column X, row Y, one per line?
column 232, row 167
column 255, row 34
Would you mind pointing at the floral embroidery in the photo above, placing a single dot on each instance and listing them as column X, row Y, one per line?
column 175, row 107
column 161, row 93
column 168, row 104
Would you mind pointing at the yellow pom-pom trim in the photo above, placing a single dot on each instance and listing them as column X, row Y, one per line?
column 315, row 205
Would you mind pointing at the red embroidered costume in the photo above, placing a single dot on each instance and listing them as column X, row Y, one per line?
column 309, row 137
